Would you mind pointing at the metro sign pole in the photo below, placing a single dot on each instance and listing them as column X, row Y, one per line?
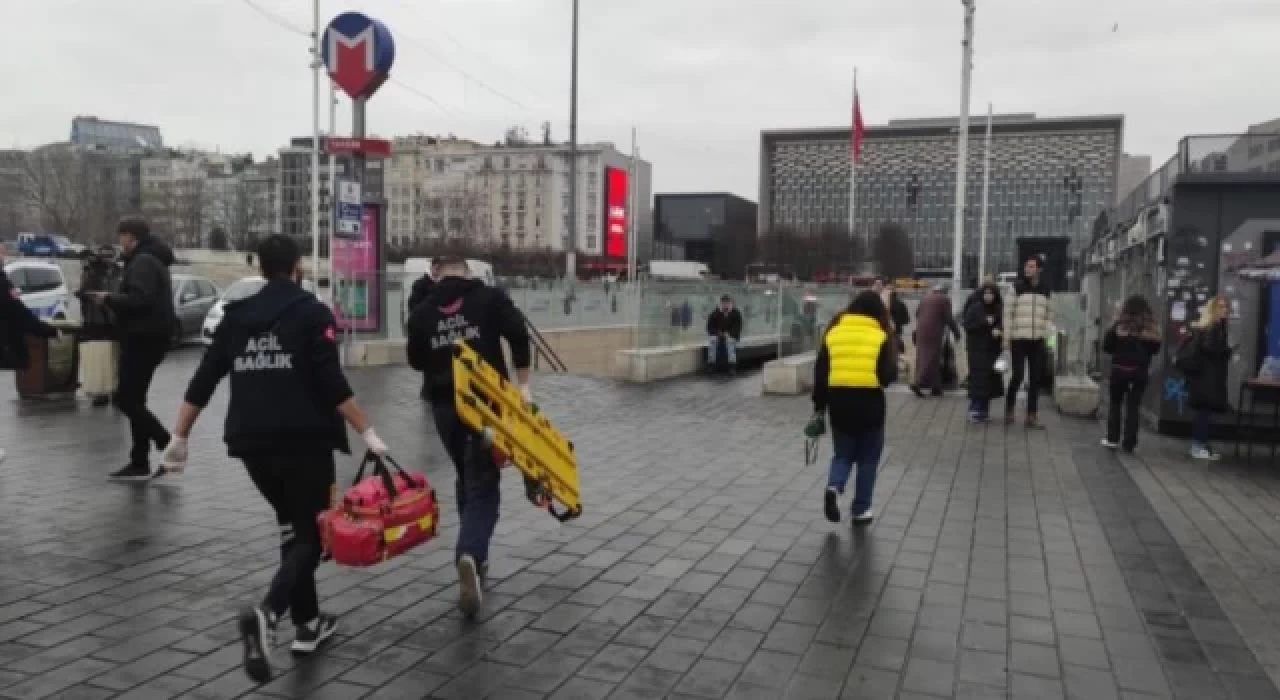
column 358, row 52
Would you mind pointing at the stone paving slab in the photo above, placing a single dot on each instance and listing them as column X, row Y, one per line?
column 1003, row 563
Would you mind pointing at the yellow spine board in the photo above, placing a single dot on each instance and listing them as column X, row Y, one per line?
column 490, row 405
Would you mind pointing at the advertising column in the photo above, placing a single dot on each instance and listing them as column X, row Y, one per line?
column 357, row 285
column 615, row 213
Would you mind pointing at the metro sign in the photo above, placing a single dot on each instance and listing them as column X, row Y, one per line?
column 358, row 53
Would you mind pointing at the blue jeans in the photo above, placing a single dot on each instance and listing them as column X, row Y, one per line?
column 479, row 479
column 1200, row 429
column 862, row 450
column 730, row 349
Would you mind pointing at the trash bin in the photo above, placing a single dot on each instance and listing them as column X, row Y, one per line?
column 53, row 371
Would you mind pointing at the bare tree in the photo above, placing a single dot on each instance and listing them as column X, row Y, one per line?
column 893, row 254
column 240, row 213
column 66, row 192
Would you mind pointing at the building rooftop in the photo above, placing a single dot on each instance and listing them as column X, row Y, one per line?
column 935, row 126
column 100, row 132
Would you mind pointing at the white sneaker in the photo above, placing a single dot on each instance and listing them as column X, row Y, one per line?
column 864, row 517
column 1107, row 443
column 469, row 595
column 1205, row 453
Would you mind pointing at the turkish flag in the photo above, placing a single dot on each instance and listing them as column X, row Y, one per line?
column 859, row 129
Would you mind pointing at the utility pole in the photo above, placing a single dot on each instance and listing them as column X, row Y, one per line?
column 333, row 189
column 315, row 141
column 962, row 155
column 571, row 257
column 633, row 245
column 986, row 193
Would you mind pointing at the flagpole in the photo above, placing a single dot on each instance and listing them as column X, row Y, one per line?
column 986, row 193
column 853, row 163
column 962, row 157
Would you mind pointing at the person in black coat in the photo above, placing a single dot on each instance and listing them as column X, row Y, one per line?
column 983, row 321
column 146, row 320
column 1132, row 341
column 1207, row 382
column 724, row 327
column 16, row 323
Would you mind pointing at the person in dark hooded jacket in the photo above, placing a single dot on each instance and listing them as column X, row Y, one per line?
column 983, row 320
column 16, row 323
column 460, row 308
column 289, row 400
column 146, row 319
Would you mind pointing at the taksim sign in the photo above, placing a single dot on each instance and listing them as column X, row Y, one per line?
column 358, row 53
column 615, row 213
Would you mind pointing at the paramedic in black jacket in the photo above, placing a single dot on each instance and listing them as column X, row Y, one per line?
column 289, row 399
column 145, row 319
column 460, row 308
column 422, row 286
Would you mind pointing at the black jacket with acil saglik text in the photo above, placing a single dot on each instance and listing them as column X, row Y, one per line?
column 464, row 309
column 280, row 347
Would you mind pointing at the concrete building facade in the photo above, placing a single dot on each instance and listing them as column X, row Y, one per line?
column 1050, row 177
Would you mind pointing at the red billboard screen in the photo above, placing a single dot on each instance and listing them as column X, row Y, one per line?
column 615, row 212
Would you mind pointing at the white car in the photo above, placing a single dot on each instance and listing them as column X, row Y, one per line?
column 240, row 289
column 41, row 286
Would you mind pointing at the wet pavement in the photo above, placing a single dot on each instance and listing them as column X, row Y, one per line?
column 1002, row 564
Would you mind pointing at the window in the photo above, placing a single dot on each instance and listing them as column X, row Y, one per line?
column 506, row 161
column 506, row 219
column 39, row 279
column 591, row 242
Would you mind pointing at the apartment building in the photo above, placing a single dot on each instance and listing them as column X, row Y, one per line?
column 512, row 194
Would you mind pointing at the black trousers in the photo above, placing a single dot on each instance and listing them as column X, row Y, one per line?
column 1031, row 354
column 299, row 487
column 1127, row 389
column 139, row 358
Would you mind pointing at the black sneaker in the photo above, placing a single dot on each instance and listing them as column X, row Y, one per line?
column 133, row 472
column 310, row 636
column 258, row 633
column 831, row 505
column 916, row 390
column 469, row 594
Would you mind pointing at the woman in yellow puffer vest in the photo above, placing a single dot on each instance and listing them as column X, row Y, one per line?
column 856, row 362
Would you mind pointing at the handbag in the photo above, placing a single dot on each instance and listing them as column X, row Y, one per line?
column 381, row 516
column 1187, row 358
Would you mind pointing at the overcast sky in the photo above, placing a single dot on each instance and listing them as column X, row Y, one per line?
column 699, row 79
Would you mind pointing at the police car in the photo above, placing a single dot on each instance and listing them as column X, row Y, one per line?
column 240, row 289
column 41, row 287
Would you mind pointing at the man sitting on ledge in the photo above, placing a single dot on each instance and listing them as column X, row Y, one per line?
column 724, row 326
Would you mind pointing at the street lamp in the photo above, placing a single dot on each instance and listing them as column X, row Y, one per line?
column 962, row 153
column 571, row 257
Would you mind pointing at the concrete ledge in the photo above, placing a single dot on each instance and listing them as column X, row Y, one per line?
column 1076, row 396
column 374, row 353
column 644, row 365
column 790, row 375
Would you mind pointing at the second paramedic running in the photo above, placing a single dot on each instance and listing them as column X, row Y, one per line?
column 461, row 308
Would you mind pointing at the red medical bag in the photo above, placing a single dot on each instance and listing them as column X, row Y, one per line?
column 381, row 516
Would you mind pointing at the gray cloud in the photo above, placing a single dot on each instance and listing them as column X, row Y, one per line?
column 698, row 79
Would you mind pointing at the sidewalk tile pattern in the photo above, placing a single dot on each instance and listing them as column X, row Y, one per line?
column 1002, row 563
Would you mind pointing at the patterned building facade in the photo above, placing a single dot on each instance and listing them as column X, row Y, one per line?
column 1050, row 177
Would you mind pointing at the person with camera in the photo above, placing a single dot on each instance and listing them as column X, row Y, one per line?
column 289, row 398
column 462, row 309
column 143, row 308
